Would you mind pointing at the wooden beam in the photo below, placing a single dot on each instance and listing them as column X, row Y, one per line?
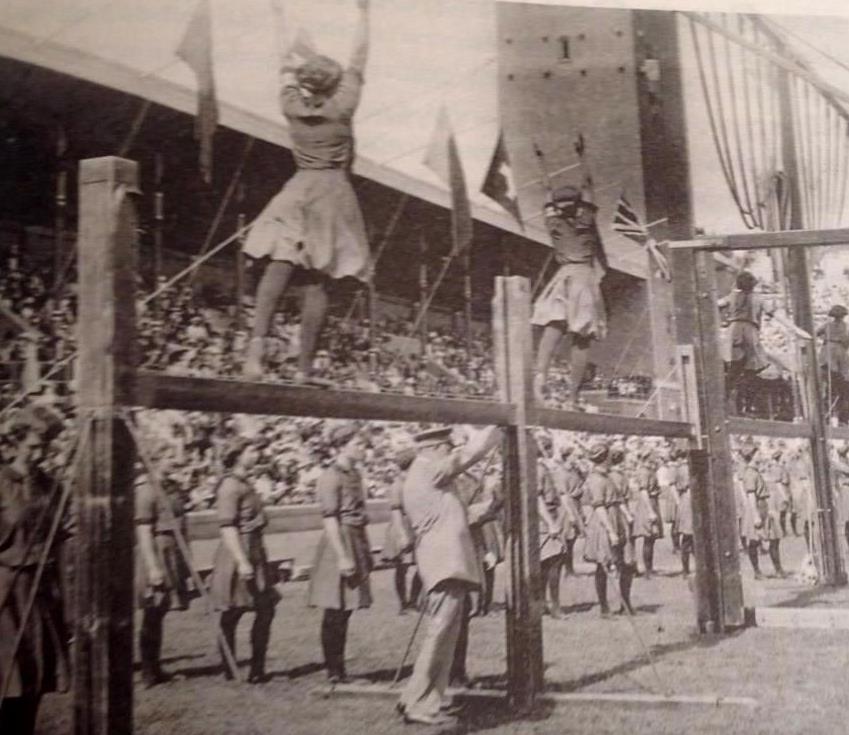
column 154, row 389
column 599, row 423
column 802, row 618
column 378, row 691
column 719, row 587
column 829, row 559
column 103, row 628
column 761, row 427
column 766, row 240
column 158, row 390
column 513, row 347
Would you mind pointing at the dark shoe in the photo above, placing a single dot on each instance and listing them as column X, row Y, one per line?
column 625, row 610
column 258, row 677
column 605, row 611
column 460, row 682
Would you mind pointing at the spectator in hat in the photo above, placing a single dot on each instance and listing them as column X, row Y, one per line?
column 242, row 579
column 569, row 479
column 571, row 304
column 447, row 562
column 834, row 362
column 39, row 663
column 552, row 516
column 339, row 583
column 619, row 514
column 313, row 229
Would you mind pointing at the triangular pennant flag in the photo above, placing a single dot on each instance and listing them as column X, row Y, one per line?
column 443, row 158
column 195, row 49
column 499, row 184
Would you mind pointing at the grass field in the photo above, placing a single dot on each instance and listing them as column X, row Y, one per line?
column 797, row 676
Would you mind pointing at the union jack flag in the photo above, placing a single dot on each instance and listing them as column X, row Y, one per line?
column 627, row 222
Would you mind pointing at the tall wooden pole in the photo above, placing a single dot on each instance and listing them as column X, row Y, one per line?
column 719, row 586
column 798, row 280
column 158, row 219
column 423, row 288
column 61, row 204
column 467, row 299
column 511, row 325
column 103, row 629
column 239, row 257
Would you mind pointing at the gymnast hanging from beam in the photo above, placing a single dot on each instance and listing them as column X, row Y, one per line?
column 313, row 230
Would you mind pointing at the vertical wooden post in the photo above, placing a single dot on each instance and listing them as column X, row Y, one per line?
column 59, row 228
column 719, row 588
column 828, row 540
column 467, row 299
column 239, row 320
column 103, row 656
column 513, row 358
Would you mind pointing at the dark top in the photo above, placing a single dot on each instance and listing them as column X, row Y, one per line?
column 599, row 487
column 340, row 494
column 163, row 515
column 574, row 242
column 320, row 129
column 239, row 505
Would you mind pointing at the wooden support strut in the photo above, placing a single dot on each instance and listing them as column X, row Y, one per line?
column 513, row 360
column 103, row 632
column 719, row 589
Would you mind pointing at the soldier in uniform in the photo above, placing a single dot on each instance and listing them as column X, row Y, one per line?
column 161, row 571
column 340, row 578
column 447, row 561
column 242, row 579
column 313, row 230
column 40, row 662
column 571, row 303
column 646, row 507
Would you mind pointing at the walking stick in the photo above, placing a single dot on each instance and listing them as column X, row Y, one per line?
column 409, row 646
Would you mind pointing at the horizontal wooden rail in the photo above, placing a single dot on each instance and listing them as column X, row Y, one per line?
column 153, row 389
column 765, row 240
column 599, row 423
column 159, row 390
column 836, row 433
column 761, row 427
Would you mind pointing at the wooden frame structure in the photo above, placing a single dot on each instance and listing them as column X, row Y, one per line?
column 111, row 382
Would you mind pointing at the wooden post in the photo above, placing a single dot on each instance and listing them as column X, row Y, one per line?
column 103, row 635
column 513, row 358
column 59, row 228
column 467, row 299
column 239, row 296
column 719, row 588
column 827, row 540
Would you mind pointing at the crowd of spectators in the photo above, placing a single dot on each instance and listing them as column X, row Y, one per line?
column 181, row 334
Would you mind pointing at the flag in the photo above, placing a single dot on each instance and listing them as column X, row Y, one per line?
column 627, row 222
column 443, row 158
column 195, row 49
column 499, row 184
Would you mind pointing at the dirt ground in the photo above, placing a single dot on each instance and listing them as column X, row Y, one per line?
column 797, row 677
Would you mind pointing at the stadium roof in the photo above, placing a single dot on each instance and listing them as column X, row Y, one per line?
column 425, row 54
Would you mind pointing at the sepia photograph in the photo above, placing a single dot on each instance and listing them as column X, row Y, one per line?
column 441, row 366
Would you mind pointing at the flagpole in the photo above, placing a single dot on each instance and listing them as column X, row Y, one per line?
column 467, row 299
column 423, row 287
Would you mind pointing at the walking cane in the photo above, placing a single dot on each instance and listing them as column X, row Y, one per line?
column 409, row 646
